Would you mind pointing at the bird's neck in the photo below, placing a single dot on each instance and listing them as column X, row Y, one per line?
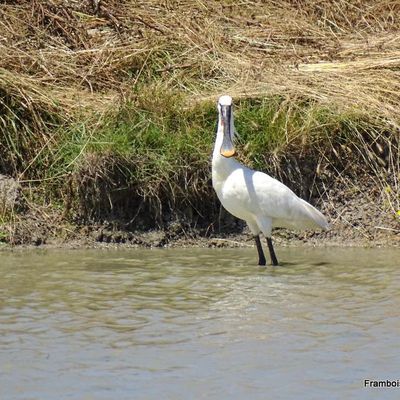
column 218, row 141
column 222, row 164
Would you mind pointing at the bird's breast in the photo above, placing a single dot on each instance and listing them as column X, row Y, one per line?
column 236, row 193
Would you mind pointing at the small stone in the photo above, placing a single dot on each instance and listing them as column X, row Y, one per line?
column 10, row 193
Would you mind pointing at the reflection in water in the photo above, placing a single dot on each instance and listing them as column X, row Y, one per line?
column 178, row 324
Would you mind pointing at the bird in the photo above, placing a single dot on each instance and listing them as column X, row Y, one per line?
column 253, row 196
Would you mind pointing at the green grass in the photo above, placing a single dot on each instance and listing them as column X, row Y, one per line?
column 166, row 135
column 155, row 147
column 173, row 135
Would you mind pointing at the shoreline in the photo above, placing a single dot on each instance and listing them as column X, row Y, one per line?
column 357, row 219
column 157, row 239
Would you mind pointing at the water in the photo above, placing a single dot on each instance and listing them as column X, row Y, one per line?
column 198, row 324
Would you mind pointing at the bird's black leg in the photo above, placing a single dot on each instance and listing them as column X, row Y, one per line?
column 271, row 251
column 261, row 257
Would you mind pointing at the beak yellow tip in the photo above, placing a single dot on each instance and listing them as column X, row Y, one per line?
column 228, row 153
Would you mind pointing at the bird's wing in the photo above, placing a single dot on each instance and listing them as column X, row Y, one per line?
column 277, row 201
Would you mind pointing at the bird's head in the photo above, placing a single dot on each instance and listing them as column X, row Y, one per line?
column 225, row 122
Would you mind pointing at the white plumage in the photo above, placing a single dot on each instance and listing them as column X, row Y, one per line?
column 262, row 201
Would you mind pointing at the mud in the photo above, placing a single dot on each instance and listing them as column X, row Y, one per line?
column 356, row 219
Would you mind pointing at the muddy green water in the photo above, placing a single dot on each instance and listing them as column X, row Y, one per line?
column 199, row 324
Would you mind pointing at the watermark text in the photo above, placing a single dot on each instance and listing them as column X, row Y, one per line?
column 387, row 383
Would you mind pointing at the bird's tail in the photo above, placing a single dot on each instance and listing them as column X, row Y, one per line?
column 315, row 216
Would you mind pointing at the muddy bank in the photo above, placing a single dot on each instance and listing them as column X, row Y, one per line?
column 357, row 218
column 359, row 196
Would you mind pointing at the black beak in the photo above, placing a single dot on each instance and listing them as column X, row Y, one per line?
column 227, row 148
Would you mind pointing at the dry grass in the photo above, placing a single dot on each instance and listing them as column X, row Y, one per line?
column 343, row 52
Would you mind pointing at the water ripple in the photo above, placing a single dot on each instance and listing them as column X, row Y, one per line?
column 111, row 324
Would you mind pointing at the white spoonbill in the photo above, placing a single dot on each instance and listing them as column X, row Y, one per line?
column 260, row 200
